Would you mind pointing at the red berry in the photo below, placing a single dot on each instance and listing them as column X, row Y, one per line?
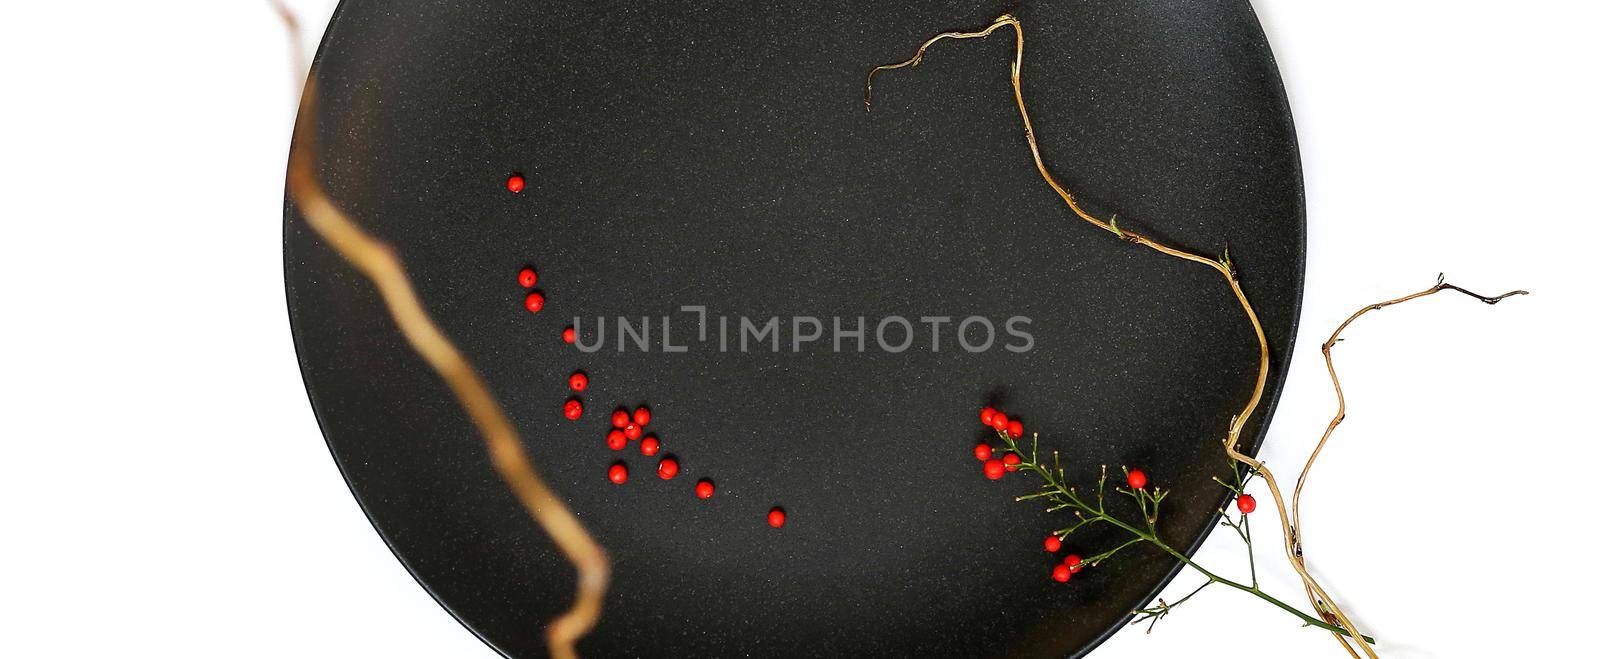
column 1136, row 479
column 982, row 452
column 987, row 416
column 667, row 469
column 569, row 335
column 632, row 431
column 1011, row 460
column 527, row 277
column 704, row 489
column 615, row 441
column 1052, row 543
column 1061, row 573
column 776, row 518
column 994, row 469
column 1073, row 562
column 1014, row 429
column 999, row 421
column 534, row 302
column 641, row 416
column 578, row 381
column 1247, row 504
column 515, row 184
column 649, row 446
column 619, row 418
column 573, row 409
column 618, row 473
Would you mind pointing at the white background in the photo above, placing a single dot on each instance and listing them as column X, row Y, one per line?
column 164, row 490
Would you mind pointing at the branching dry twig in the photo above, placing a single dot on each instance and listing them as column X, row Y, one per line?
column 379, row 263
column 1296, row 528
column 1338, row 391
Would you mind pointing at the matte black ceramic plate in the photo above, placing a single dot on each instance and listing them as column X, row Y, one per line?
column 718, row 154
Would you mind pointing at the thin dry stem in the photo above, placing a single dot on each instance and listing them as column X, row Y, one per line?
column 1339, row 416
column 1338, row 388
column 1320, row 598
column 379, row 263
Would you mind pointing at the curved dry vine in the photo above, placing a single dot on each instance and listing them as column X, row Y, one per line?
column 381, row 265
column 1338, row 390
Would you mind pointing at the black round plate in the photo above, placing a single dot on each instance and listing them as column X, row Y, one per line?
column 718, row 154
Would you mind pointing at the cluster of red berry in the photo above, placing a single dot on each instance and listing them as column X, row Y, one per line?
column 573, row 408
column 626, row 426
column 994, row 467
column 1068, row 566
column 999, row 421
column 534, row 302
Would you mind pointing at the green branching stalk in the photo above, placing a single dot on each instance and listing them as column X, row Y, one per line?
column 1058, row 495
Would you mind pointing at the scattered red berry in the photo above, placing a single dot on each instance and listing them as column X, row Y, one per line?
column 1247, row 504
column 618, row 473
column 704, row 489
column 650, row 445
column 569, row 335
column 516, row 184
column 578, row 381
column 641, row 416
column 1061, row 573
column 775, row 518
column 994, row 469
column 987, row 416
column 1136, row 479
column 527, row 277
column 534, row 302
column 999, row 421
column 619, row 418
column 1014, row 429
column 1011, row 460
column 667, row 469
column 632, row 431
column 616, row 441
column 1073, row 562
column 1052, row 543
column 573, row 409
column 982, row 452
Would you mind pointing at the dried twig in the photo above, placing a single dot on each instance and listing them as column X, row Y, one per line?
column 1223, row 267
column 383, row 268
column 1338, row 391
column 1297, row 529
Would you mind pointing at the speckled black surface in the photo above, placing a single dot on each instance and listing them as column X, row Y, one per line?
column 717, row 153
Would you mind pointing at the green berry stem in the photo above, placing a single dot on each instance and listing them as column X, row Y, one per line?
column 1061, row 496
